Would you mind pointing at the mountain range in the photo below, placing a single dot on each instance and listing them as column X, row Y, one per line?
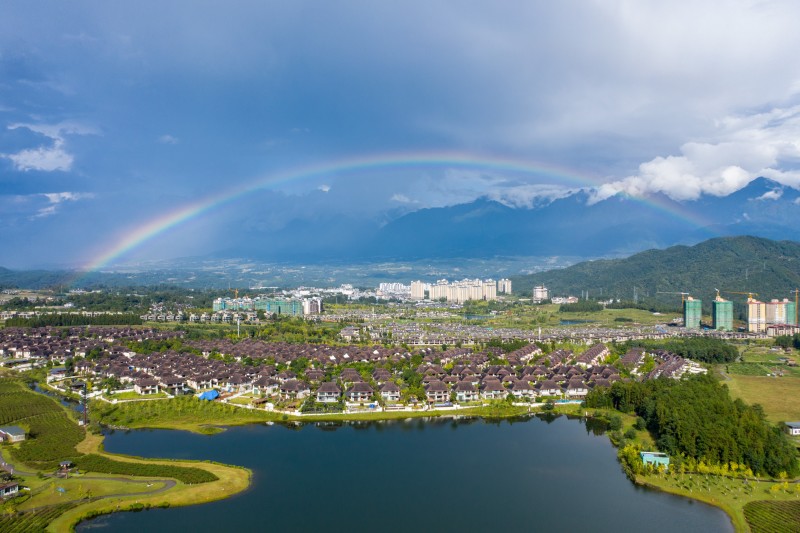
column 572, row 226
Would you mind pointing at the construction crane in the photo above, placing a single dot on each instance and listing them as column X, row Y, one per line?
column 749, row 294
column 684, row 295
column 796, row 291
column 235, row 292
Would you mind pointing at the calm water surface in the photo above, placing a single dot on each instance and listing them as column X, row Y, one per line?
column 439, row 475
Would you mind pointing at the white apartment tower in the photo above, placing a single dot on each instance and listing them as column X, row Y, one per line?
column 540, row 293
column 504, row 286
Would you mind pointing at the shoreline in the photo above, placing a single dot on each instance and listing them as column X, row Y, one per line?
column 232, row 480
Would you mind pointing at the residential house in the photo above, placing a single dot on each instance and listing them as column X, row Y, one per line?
column 328, row 392
column 390, row 392
column 359, row 392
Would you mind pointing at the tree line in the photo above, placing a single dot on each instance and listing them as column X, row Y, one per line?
column 75, row 320
column 696, row 418
column 703, row 349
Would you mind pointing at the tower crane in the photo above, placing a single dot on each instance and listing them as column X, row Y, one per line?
column 684, row 295
column 749, row 294
column 796, row 291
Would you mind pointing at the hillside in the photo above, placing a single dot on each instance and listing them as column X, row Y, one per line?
column 769, row 268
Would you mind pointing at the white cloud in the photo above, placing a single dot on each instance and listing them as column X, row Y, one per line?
column 324, row 188
column 402, row 198
column 774, row 194
column 48, row 158
column 530, row 195
column 56, row 198
column 744, row 148
column 168, row 139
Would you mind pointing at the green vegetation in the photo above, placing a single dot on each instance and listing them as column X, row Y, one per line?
column 583, row 306
column 99, row 463
column 186, row 412
column 788, row 341
column 703, row 349
column 36, row 520
column 777, row 396
column 52, row 434
column 735, row 492
column 75, row 320
column 697, row 420
column 728, row 263
column 300, row 330
column 773, row 516
column 54, row 437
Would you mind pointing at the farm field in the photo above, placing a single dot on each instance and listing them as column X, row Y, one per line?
column 54, row 436
column 772, row 517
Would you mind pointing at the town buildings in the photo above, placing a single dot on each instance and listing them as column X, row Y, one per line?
column 540, row 294
column 458, row 291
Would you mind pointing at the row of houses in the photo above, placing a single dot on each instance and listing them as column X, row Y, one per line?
column 59, row 344
column 470, row 376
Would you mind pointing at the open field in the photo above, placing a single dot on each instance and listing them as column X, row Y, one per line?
column 548, row 315
column 778, row 396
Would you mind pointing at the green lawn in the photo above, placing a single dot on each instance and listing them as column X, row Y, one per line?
column 778, row 396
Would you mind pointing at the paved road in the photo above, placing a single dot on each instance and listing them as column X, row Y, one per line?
column 168, row 483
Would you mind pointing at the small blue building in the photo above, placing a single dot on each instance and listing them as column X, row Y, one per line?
column 655, row 458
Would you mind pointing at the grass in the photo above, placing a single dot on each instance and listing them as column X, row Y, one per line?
column 185, row 413
column 778, row 396
column 230, row 480
column 729, row 494
column 78, row 487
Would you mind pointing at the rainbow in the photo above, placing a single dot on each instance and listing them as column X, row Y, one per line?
column 142, row 233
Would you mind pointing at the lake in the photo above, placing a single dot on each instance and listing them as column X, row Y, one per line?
column 439, row 474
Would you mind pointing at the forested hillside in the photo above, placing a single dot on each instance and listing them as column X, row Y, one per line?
column 769, row 268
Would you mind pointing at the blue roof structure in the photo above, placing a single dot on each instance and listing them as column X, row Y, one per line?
column 209, row 395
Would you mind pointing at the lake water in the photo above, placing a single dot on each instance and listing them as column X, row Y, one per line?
column 438, row 475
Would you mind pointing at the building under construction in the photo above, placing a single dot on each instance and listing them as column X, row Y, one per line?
column 692, row 312
column 761, row 315
column 722, row 314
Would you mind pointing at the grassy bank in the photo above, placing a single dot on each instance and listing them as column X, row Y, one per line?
column 229, row 480
column 729, row 494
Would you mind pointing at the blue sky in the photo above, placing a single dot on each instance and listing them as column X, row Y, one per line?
column 112, row 114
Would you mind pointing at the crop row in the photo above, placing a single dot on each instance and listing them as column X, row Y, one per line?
column 104, row 465
column 32, row 520
column 52, row 439
column 773, row 516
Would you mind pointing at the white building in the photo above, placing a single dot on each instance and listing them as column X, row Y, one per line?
column 540, row 293
column 504, row 286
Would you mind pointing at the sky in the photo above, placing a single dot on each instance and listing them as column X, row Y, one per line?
column 115, row 114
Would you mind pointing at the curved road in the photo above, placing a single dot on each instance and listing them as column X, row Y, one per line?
column 168, row 483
